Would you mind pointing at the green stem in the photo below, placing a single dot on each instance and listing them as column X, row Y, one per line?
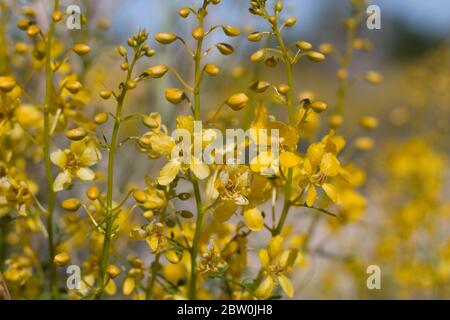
column 109, row 215
column 286, row 205
column 48, row 164
column 287, row 62
column 195, row 245
column 4, row 59
column 197, row 69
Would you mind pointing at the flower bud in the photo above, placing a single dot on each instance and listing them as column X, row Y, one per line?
column 105, row 94
column 76, row 134
column 23, row 24
column 231, row 31
column 212, row 69
column 198, row 33
column 290, row 22
column 184, row 12
column 336, row 121
column 279, row 6
column 93, row 193
column 165, row 37
column 140, row 196
column 101, row 118
column 186, row 214
column 238, row 101
column 318, row 106
column 57, row 16
column 283, row 89
column 131, row 84
column 255, row 36
column 148, row 214
column 364, row 143
column 73, row 86
column 258, row 56
column 71, row 204
column 315, row 56
column 260, row 86
column 61, row 259
column 174, row 95
column 157, row 71
column 81, row 49
column 21, row 48
column 326, row 48
column 7, row 84
column 122, row 51
column 304, row 45
column 225, row 48
column 369, row 122
column 373, row 77
column 33, row 30
column 124, row 66
column 112, row 271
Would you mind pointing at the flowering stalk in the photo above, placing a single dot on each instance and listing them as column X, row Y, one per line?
column 110, row 214
column 48, row 164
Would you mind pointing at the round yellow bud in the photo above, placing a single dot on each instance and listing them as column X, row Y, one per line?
column 7, row 84
column 157, row 71
column 225, row 48
column 122, row 51
column 336, row 121
column 198, row 33
column 304, row 45
column 73, row 86
column 231, row 31
column 184, row 12
column 33, row 30
column 326, row 48
column 255, row 36
column 318, row 106
column 364, row 143
column 112, row 271
column 131, row 84
column 212, row 69
column 148, row 214
column 61, row 259
column 124, row 66
column 57, row 16
column 76, row 134
column 105, row 94
column 283, row 89
column 71, row 204
column 93, row 193
column 260, row 86
column 342, row 74
column 23, row 24
column 373, row 77
column 290, row 22
column 140, row 196
column 173, row 256
column 101, row 118
column 258, row 56
column 369, row 122
column 315, row 56
column 238, row 101
column 81, row 49
column 20, row 47
column 165, row 37
column 174, row 95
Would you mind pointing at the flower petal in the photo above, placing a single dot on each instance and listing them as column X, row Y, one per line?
column 289, row 160
column 265, row 288
column 85, row 174
column 169, row 172
column 90, row 156
column 331, row 192
column 199, row 169
column 59, row 158
column 62, row 181
column 311, row 196
column 286, row 285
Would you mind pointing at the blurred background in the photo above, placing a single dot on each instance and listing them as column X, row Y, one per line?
column 402, row 223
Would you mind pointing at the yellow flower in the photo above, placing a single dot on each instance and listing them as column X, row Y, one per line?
column 74, row 163
column 275, row 262
column 254, row 219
